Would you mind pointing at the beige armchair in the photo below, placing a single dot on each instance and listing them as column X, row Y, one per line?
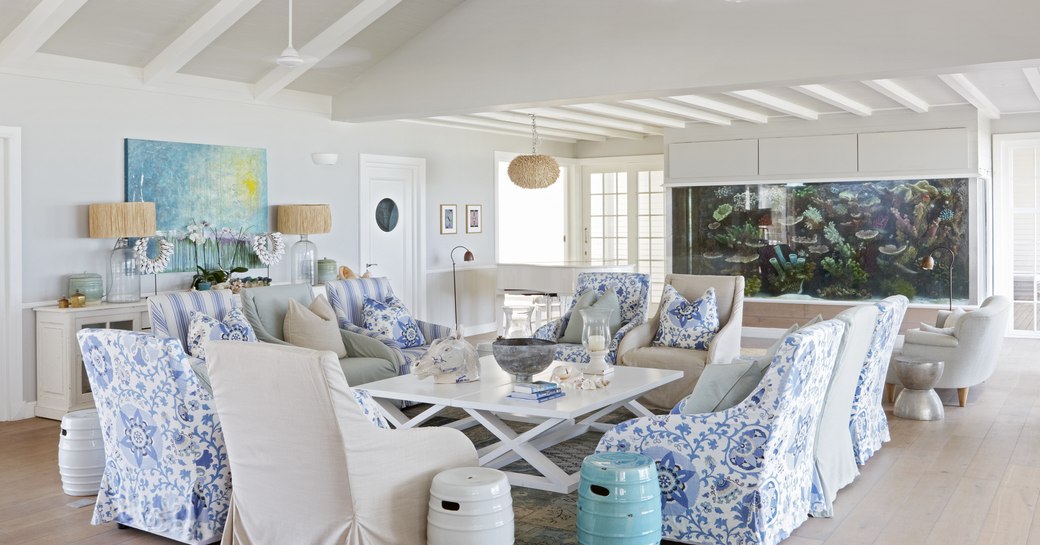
column 969, row 354
column 310, row 462
column 636, row 350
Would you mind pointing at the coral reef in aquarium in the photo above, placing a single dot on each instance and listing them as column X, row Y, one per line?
column 835, row 240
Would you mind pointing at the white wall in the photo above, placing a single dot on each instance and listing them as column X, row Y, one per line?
column 73, row 155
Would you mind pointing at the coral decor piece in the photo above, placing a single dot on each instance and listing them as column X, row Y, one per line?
column 153, row 265
column 269, row 248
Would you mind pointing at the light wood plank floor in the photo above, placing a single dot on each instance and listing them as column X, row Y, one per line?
column 973, row 478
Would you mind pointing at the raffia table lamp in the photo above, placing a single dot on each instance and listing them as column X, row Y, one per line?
column 303, row 220
column 121, row 221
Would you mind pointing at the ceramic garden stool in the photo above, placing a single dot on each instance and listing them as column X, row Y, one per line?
column 470, row 506
column 619, row 500
column 81, row 453
column 917, row 400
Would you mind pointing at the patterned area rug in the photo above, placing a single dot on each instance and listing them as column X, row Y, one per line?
column 540, row 517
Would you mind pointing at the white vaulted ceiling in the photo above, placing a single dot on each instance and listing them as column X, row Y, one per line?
column 590, row 69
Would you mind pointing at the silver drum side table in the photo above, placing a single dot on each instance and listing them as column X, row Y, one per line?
column 917, row 400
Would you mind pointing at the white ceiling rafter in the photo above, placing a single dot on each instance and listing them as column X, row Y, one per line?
column 549, row 123
column 679, row 110
column 767, row 100
column 965, row 88
column 836, row 99
column 490, row 130
column 490, row 123
column 580, row 117
column 899, row 94
column 723, row 108
column 199, row 35
column 45, row 19
column 331, row 39
column 628, row 113
column 1033, row 77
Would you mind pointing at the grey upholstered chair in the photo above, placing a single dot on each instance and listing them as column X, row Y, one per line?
column 969, row 353
column 635, row 349
column 367, row 359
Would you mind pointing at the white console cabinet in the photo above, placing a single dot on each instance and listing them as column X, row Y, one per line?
column 61, row 379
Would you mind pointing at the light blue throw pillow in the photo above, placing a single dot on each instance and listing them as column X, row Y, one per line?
column 391, row 318
column 204, row 328
column 686, row 324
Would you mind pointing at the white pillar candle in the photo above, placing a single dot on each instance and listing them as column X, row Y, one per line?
column 597, row 343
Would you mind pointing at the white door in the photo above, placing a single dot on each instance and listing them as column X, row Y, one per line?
column 12, row 400
column 391, row 221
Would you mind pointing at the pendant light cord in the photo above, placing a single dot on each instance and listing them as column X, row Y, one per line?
column 534, row 136
column 290, row 24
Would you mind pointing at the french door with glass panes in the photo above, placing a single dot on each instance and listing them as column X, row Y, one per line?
column 623, row 222
column 1017, row 196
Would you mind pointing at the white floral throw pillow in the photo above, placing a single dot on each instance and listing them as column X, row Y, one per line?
column 686, row 324
column 391, row 318
column 204, row 328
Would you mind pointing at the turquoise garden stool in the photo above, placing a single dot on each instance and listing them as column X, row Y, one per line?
column 619, row 500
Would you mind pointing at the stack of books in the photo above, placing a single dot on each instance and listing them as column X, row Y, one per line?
column 536, row 391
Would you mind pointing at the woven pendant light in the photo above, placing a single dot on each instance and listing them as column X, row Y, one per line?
column 534, row 171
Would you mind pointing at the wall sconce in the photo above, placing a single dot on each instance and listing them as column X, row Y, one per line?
column 325, row 158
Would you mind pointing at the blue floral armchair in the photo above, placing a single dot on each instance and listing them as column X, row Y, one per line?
column 868, row 423
column 632, row 290
column 743, row 475
column 166, row 467
column 347, row 298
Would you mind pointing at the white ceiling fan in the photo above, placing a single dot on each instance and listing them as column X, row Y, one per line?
column 290, row 57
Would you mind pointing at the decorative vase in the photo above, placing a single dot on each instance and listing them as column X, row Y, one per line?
column 517, row 322
column 595, row 336
column 203, row 286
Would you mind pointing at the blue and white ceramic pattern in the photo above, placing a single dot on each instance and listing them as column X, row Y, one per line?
column 391, row 318
column 347, row 298
column 204, row 328
column 868, row 423
column 686, row 324
column 166, row 469
column 632, row 291
column 742, row 475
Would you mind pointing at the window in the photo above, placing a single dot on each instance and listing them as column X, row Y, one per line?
column 526, row 215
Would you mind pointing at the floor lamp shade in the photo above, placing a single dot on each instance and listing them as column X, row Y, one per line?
column 121, row 221
column 303, row 220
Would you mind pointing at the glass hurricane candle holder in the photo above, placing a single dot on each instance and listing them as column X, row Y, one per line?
column 595, row 336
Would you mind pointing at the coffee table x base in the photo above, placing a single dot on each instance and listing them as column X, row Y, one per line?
column 555, row 421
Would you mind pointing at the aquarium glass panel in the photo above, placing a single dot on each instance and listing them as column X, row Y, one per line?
column 829, row 240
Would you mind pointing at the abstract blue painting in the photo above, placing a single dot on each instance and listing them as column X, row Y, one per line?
column 218, row 191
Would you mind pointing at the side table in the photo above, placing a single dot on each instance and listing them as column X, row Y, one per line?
column 917, row 400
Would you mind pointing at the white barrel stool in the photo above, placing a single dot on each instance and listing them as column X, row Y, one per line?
column 470, row 506
column 81, row 453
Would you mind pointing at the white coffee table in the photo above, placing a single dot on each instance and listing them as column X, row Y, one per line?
column 555, row 421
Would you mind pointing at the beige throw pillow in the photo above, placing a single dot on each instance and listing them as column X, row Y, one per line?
column 315, row 327
column 954, row 317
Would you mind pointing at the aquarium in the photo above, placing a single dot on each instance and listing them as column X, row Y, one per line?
column 829, row 240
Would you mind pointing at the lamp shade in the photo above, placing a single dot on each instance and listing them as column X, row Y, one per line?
column 121, row 219
column 533, row 171
column 304, row 219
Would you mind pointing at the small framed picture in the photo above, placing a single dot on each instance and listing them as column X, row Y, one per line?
column 449, row 219
column 474, row 218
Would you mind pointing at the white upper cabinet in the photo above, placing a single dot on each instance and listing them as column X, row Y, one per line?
column 720, row 160
column 911, row 152
column 802, row 155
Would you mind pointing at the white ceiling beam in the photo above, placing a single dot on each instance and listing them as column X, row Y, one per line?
column 465, row 120
column 899, row 94
column 568, row 115
column 199, row 35
column 508, row 132
column 42, row 22
column 677, row 109
column 836, row 99
column 549, row 123
column 331, row 39
column 1033, row 77
column 965, row 88
column 628, row 113
column 767, row 100
column 722, row 108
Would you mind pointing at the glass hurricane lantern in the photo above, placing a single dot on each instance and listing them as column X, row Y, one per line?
column 595, row 336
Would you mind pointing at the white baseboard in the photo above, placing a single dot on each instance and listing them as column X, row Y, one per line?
column 762, row 332
column 479, row 329
column 23, row 410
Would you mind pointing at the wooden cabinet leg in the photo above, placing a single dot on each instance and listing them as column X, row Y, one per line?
column 962, row 396
column 890, row 392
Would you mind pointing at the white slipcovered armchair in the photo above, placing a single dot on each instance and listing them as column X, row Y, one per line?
column 969, row 352
column 636, row 350
column 310, row 460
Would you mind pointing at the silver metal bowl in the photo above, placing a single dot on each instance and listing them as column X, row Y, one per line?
column 523, row 357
